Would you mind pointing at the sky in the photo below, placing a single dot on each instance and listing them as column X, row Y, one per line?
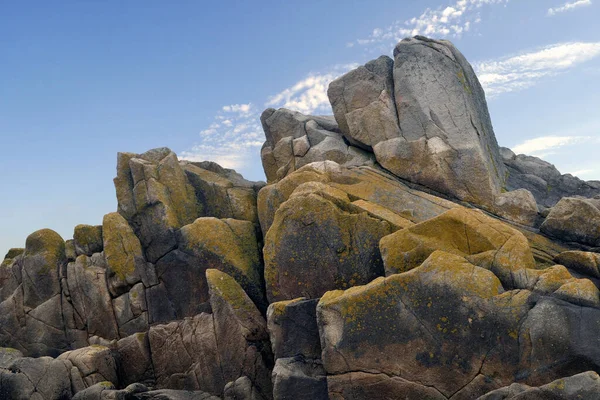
column 81, row 81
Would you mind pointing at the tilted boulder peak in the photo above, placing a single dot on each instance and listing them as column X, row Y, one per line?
column 363, row 103
column 447, row 142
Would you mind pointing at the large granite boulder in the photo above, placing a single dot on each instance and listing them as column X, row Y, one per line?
column 367, row 189
column 41, row 378
column 446, row 139
column 363, row 103
column 574, row 219
column 294, row 140
column 582, row 262
column 315, row 245
column 412, row 334
column 294, row 333
column 87, row 239
column 124, row 255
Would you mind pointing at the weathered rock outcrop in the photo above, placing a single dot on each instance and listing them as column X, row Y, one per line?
column 295, row 140
column 543, row 180
column 385, row 259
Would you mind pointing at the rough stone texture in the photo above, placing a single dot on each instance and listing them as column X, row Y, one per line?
column 228, row 245
column 293, row 328
column 242, row 389
column 155, row 196
column 581, row 386
column 95, row 364
column 87, row 239
column 31, row 317
column 372, row 386
column 297, row 378
column 107, row 391
column 88, row 292
column 363, row 103
column 447, row 142
column 543, row 180
column 124, row 255
column 210, row 350
column 41, row 378
column 517, row 206
column 575, row 220
column 222, row 193
column 314, row 245
column 295, row 140
column 417, row 326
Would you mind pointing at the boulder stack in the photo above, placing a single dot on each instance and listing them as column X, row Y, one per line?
column 396, row 252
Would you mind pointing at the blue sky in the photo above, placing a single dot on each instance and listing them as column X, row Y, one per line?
column 80, row 81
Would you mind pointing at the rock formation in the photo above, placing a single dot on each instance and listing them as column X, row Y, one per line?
column 396, row 252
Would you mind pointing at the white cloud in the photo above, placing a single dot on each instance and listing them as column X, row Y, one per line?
column 242, row 109
column 545, row 145
column 309, row 95
column 569, row 7
column 231, row 140
column 522, row 71
column 451, row 21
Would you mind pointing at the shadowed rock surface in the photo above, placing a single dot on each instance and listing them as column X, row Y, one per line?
column 397, row 252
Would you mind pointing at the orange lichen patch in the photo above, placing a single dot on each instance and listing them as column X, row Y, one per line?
column 466, row 233
column 398, row 222
column 386, row 298
column 121, row 245
column 552, row 278
column 230, row 291
column 232, row 241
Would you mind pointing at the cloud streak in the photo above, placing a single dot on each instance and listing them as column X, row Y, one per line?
column 309, row 95
column 451, row 21
column 235, row 136
column 519, row 72
column 545, row 145
column 568, row 7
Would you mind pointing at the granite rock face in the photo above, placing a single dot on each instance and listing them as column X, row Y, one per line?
column 396, row 252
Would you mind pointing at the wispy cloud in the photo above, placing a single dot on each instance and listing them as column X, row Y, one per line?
column 231, row 139
column 546, row 145
column 569, row 7
column 241, row 109
column 522, row 71
column 309, row 95
column 451, row 21
column 235, row 136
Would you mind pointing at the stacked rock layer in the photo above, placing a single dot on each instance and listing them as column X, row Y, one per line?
column 396, row 252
